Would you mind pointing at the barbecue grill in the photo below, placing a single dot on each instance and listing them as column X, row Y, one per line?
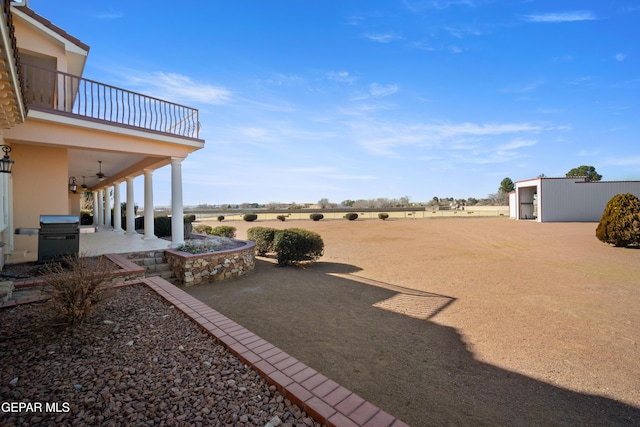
column 59, row 236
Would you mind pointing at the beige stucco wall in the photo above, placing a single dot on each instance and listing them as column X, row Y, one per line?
column 35, row 42
column 40, row 187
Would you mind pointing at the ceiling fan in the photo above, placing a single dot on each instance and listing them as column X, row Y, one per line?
column 100, row 175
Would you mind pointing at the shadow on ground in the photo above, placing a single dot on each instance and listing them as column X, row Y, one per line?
column 353, row 330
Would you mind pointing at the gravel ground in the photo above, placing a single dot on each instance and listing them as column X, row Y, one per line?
column 138, row 361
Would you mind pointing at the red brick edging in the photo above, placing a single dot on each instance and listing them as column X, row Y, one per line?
column 323, row 399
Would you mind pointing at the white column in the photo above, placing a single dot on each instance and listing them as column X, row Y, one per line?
column 131, row 213
column 107, row 208
column 117, row 210
column 177, row 210
column 149, row 230
column 100, row 208
column 96, row 209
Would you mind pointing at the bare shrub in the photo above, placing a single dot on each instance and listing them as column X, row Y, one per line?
column 78, row 288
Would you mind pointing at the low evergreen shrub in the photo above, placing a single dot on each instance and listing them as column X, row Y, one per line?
column 249, row 217
column 224, row 231
column 202, row 229
column 351, row 216
column 383, row 216
column 162, row 226
column 620, row 222
column 316, row 216
column 295, row 244
column 263, row 238
column 189, row 218
column 220, row 218
column 281, row 217
column 139, row 223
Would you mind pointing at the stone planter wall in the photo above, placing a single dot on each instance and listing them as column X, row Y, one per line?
column 193, row 269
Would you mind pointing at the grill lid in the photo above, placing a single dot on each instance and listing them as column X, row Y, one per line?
column 59, row 219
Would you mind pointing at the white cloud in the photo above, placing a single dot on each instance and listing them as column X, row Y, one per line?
column 572, row 16
column 517, row 143
column 377, row 90
column 177, row 87
column 341, row 76
column 620, row 57
column 383, row 38
column 529, row 87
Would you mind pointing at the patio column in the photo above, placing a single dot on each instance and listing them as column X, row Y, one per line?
column 177, row 210
column 149, row 230
column 117, row 210
column 96, row 209
column 131, row 213
column 100, row 208
column 107, row 208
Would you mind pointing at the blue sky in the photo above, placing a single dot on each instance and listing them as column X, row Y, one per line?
column 358, row 99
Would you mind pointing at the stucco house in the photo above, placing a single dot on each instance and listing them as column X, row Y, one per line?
column 66, row 134
column 572, row 199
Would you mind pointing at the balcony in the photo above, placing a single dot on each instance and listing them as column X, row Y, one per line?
column 65, row 94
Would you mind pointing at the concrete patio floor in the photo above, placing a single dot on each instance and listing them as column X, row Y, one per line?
column 102, row 241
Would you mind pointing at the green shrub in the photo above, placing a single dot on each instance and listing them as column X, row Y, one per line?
column 383, row 215
column 249, row 217
column 77, row 289
column 351, row 216
column 189, row 218
column 139, row 223
column 202, row 229
column 224, row 231
column 220, row 218
column 281, row 217
column 162, row 226
column 620, row 222
column 295, row 244
column 263, row 238
column 316, row 216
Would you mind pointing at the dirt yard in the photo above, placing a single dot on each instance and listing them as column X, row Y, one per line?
column 461, row 321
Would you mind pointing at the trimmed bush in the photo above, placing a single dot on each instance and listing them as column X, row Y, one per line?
column 281, row 217
column 220, row 218
column 139, row 223
column 224, row 231
column 316, row 216
column 263, row 238
column 295, row 244
column 249, row 217
column 162, row 226
column 189, row 218
column 383, row 215
column 351, row 216
column 76, row 290
column 620, row 222
column 202, row 229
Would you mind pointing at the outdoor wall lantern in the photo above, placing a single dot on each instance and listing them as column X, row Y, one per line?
column 73, row 187
column 6, row 164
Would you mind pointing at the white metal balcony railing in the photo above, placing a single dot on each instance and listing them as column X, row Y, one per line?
column 62, row 93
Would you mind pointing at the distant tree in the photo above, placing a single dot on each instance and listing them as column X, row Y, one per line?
column 542, row 175
column 506, row 186
column 584, row 170
column 324, row 203
column 472, row 201
column 348, row 203
column 435, row 200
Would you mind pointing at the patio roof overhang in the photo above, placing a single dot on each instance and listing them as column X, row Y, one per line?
column 12, row 107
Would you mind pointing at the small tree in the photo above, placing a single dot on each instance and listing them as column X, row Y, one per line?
column 250, row 217
column 584, row 170
column 506, row 186
column 620, row 222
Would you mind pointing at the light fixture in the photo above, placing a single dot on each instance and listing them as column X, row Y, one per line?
column 73, row 187
column 6, row 164
column 84, row 186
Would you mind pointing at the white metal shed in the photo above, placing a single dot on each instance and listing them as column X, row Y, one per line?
column 572, row 199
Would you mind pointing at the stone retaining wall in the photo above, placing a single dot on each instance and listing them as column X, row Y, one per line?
column 193, row 269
